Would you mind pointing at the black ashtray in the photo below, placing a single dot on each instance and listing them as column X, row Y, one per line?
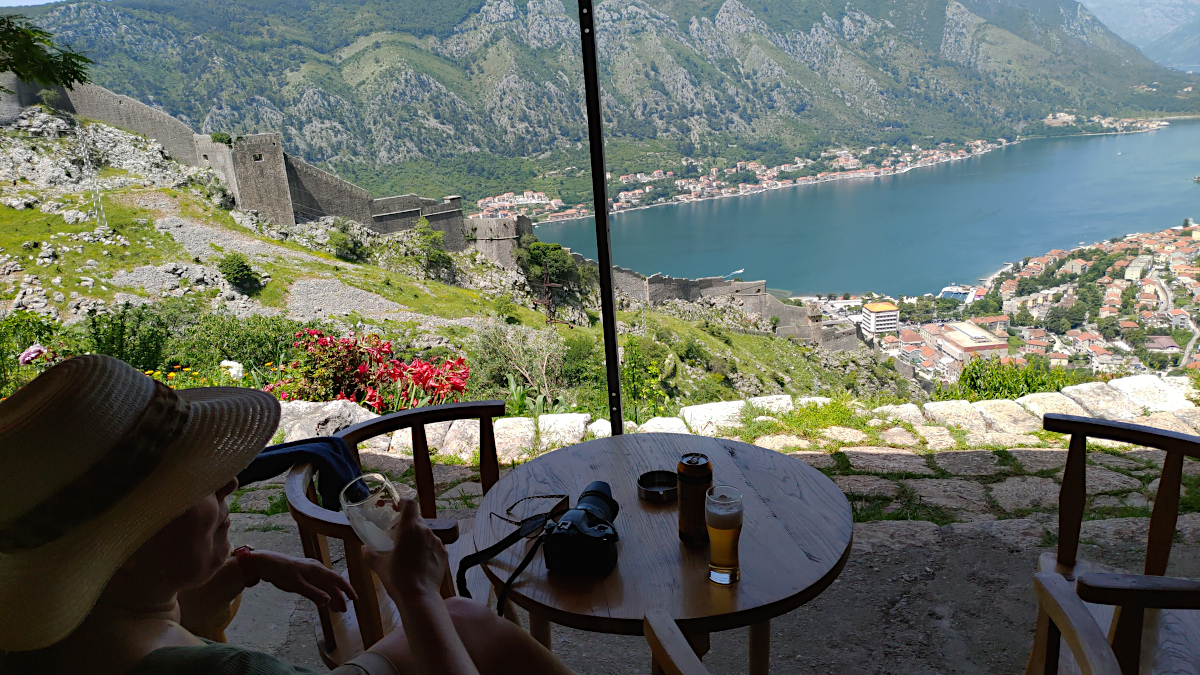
column 658, row 486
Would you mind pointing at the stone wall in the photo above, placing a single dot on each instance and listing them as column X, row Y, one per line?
column 258, row 162
column 279, row 187
column 316, row 193
column 218, row 157
column 97, row 103
column 498, row 238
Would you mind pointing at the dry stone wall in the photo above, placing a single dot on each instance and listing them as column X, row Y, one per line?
column 968, row 464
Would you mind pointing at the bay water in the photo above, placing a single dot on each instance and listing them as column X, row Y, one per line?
column 919, row 231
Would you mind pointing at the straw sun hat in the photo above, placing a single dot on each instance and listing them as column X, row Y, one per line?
column 95, row 457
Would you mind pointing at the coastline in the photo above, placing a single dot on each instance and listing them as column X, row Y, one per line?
column 877, row 174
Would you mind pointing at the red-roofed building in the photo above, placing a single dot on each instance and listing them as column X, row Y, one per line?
column 1058, row 359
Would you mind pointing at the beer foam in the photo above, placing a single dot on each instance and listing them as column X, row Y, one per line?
column 723, row 516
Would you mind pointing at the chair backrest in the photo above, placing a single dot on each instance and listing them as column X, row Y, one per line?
column 1073, row 494
column 317, row 524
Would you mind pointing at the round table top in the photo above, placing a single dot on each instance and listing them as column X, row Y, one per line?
column 795, row 537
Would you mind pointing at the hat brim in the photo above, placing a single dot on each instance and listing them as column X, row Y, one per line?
column 47, row 592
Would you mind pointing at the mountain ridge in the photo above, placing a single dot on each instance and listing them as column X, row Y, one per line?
column 773, row 77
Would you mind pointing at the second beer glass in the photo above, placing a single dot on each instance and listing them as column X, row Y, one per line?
column 723, row 517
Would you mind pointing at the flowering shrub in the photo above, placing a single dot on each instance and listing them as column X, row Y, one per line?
column 362, row 368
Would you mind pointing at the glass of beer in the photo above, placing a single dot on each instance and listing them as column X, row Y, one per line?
column 372, row 507
column 723, row 516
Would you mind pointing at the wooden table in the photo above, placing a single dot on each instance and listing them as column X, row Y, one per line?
column 794, row 543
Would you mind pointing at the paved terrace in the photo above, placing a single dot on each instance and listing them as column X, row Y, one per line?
column 956, row 500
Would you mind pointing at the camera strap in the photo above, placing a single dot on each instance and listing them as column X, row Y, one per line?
column 531, row 526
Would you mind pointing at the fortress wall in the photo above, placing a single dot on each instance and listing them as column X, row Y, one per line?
column 317, row 193
column 218, row 157
column 391, row 205
column 258, row 162
column 448, row 219
column 24, row 95
column 98, row 103
column 498, row 238
column 395, row 222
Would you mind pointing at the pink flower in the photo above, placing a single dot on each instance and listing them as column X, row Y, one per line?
column 30, row 355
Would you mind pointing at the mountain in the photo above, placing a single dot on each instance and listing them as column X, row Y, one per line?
column 1178, row 49
column 1142, row 22
column 392, row 91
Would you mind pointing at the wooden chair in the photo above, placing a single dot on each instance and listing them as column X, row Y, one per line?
column 673, row 654
column 343, row 636
column 1144, row 616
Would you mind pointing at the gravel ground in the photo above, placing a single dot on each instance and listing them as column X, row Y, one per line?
column 325, row 297
column 197, row 239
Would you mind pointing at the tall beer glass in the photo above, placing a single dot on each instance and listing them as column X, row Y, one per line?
column 723, row 516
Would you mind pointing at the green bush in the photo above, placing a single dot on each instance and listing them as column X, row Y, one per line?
column 434, row 258
column 534, row 357
column 18, row 331
column 237, row 271
column 988, row 378
column 540, row 259
column 254, row 341
column 222, row 138
column 583, row 362
column 504, row 306
column 691, row 352
column 716, row 330
column 136, row 335
column 345, row 245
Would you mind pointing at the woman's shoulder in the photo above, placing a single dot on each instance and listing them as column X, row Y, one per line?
column 213, row 659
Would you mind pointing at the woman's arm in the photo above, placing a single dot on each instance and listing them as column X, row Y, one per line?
column 412, row 574
column 295, row 575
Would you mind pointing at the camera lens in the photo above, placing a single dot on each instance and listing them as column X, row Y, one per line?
column 597, row 499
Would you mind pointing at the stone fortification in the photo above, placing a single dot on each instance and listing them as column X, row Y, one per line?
column 258, row 162
column 498, row 238
column 92, row 102
column 260, row 175
column 219, row 157
column 316, row 193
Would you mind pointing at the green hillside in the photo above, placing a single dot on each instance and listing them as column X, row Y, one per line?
column 384, row 91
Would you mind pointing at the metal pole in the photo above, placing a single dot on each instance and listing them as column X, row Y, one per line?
column 595, row 118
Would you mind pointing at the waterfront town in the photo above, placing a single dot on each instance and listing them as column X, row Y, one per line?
column 697, row 182
column 1126, row 305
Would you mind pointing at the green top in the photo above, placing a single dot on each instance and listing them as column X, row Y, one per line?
column 223, row 659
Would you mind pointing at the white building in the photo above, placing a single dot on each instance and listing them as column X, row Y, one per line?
column 880, row 317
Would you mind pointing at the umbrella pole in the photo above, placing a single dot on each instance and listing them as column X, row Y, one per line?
column 595, row 120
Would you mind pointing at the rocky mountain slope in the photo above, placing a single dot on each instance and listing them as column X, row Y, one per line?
column 1142, row 23
column 1180, row 48
column 380, row 85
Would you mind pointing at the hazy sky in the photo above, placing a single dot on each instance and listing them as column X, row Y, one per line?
column 23, row 3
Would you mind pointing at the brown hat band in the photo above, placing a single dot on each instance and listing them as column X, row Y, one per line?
column 126, row 465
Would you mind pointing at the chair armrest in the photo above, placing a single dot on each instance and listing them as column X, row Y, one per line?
column 1138, row 590
column 671, row 650
column 307, row 514
column 1134, row 434
column 1078, row 628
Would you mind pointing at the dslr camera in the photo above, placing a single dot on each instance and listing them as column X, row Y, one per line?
column 583, row 541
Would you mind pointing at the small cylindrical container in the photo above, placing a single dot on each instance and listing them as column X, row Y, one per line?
column 695, row 478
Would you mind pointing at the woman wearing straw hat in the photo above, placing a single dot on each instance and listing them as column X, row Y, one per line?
column 113, row 504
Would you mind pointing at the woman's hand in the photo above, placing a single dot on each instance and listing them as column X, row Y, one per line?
column 306, row 577
column 416, row 565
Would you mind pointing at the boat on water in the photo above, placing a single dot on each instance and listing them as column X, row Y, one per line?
column 1196, row 179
